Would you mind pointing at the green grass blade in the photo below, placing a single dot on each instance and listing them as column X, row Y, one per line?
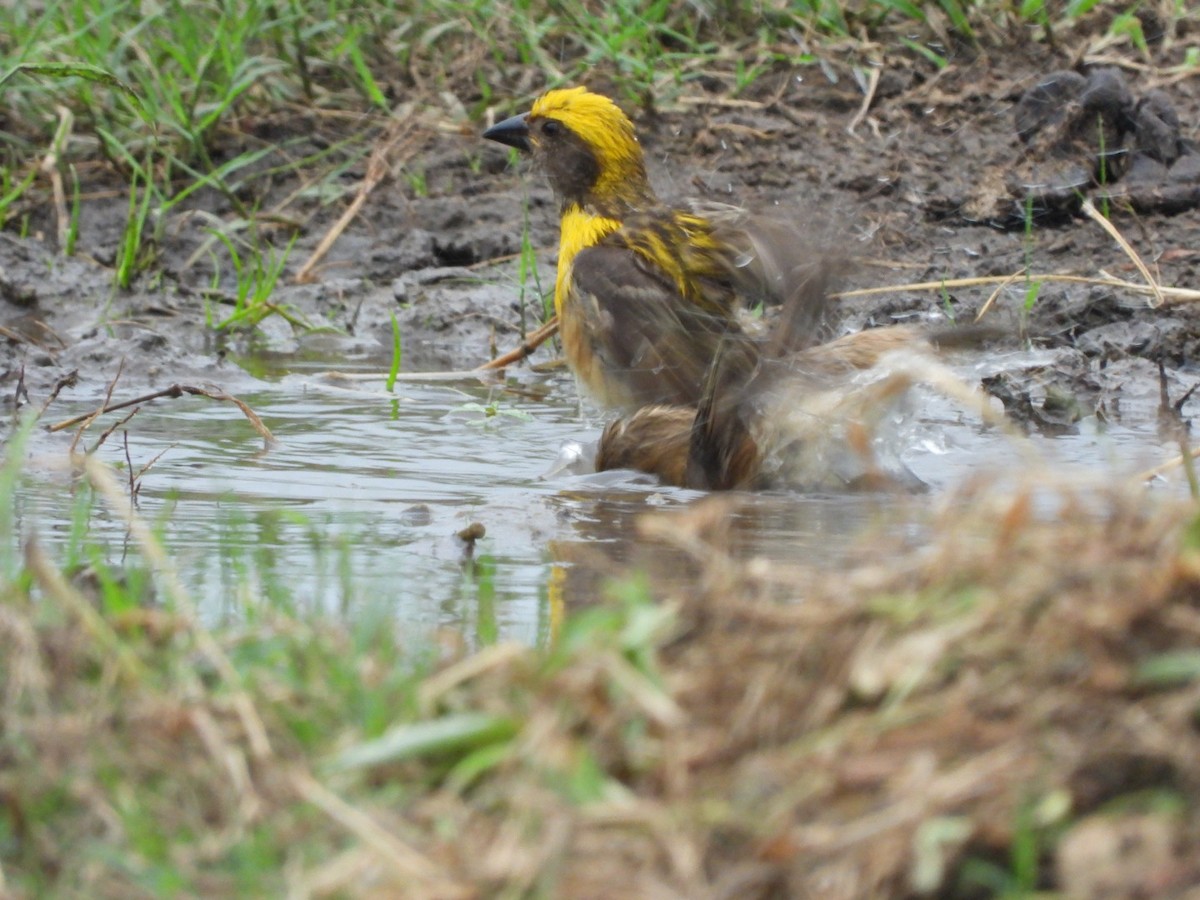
column 76, row 70
column 448, row 735
column 397, row 355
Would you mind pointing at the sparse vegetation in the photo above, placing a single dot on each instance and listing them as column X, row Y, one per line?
column 950, row 725
column 177, row 98
column 995, row 713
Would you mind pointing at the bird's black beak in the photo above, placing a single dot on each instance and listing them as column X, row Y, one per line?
column 513, row 131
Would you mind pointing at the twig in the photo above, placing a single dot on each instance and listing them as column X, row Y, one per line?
column 108, row 431
column 419, row 377
column 799, row 118
column 133, row 489
column 50, row 167
column 888, row 263
column 50, row 331
column 91, row 417
column 65, row 381
column 153, row 461
column 527, row 348
column 20, row 391
column 727, row 102
column 1092, row 213
column 1167, row 294
column 1180, row 295
column 872, row 84
column 377, row 168
column 1164, row 468
column 996, row 293
column 498, row 260
column 14, row 336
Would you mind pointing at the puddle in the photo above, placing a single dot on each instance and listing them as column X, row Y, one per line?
column 355, row 511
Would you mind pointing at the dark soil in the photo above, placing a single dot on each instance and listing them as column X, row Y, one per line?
column 917, row 718
column 934, row 183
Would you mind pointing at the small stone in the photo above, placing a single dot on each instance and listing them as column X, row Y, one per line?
column 472, row 532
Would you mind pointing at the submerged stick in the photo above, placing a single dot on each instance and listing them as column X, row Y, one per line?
column 528, row 346
column 1165, row 467
column 335, row 376
column 172, row 392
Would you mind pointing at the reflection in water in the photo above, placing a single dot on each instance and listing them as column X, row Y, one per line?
column 825, row 530
column 357, row 509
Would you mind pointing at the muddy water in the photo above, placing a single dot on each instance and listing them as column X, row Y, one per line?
column 356, row 508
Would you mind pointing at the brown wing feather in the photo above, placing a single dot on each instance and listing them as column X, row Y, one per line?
column 630, row 337
column 778, row 259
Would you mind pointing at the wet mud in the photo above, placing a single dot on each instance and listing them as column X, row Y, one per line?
column 977, row 170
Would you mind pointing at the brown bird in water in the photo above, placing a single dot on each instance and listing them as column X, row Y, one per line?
column 815, row 418
column 645, row 292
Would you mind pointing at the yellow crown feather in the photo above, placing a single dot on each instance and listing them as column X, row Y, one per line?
column 602, row 125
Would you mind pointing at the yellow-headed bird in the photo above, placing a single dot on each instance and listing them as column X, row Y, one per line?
column 645, row 293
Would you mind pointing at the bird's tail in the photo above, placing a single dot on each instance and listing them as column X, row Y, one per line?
column 723, row 453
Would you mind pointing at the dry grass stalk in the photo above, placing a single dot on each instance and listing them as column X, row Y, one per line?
column 49, row 166
column 1092, row 213
column 106, row 485
column 1168, row 294
column 378, row 166
column 408, row 863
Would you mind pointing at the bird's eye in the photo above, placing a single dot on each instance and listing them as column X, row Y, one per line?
column 552, row 127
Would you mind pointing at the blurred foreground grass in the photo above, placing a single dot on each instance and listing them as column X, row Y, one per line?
column 1013, row 708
